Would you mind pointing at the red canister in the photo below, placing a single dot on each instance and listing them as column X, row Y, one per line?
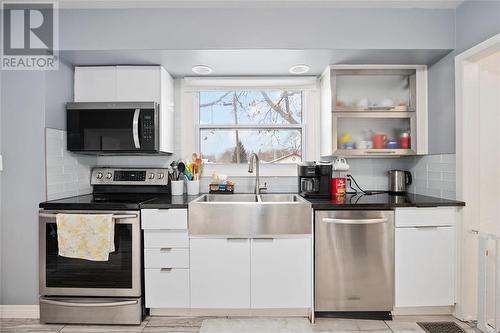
column 405, row 140
column 338, row 186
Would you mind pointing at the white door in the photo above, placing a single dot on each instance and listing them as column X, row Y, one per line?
column 95, row 84
column 220, row 273
column 281, row 271
column 138, row 83
column 424, row 263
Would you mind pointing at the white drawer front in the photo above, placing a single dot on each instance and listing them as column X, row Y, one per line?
column 166, row 258
column 165, row 238
column 416, row 217
column 164, row 218
column 167, row 288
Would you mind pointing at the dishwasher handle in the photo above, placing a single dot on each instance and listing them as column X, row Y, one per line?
column 354, row 221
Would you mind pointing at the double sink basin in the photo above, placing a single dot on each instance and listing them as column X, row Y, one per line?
column 250, row 215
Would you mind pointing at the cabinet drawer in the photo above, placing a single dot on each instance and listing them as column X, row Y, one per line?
column 166, row 258
column 167, row 288
column 416, row 217
column 165, row 238
column 164, row 218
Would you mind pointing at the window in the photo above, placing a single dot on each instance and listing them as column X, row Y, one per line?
column 235, row 123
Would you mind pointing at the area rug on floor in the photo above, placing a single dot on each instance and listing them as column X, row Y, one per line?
column 256, row 325
column 441, row 327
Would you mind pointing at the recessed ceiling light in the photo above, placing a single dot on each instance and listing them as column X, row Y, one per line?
column 202, row 69
column 299, row 69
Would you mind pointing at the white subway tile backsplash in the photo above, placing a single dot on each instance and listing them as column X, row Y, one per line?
column 67, row 174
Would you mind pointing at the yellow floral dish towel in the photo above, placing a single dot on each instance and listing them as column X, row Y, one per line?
column 86, row 236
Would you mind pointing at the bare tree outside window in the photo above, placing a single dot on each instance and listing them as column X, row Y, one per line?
column 234, row 124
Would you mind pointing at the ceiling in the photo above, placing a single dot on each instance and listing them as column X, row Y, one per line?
column 251, row 62
column 87, row 4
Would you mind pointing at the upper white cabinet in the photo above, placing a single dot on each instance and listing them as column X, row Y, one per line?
column 425, row 257
column 130, row 84
column 374, row 110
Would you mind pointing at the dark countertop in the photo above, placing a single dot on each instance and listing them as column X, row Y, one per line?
column 155, row 201
column 381, row 201
column 169, row 201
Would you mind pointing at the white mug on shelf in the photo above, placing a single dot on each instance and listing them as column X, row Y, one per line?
column 340, row 164
column 177, row 187
column 193, row 187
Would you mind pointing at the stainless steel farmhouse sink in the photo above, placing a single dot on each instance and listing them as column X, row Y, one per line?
column 250, row 215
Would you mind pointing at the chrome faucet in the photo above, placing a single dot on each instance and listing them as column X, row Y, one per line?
column 255, row 159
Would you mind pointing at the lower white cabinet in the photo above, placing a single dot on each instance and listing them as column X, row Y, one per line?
column 167, row 287
column 281, row 273
column 220, row 273
column 251, row 273
column 425, row 266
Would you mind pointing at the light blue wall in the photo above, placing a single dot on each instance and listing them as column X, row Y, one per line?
column 476, row 21
column 255, row 28
column 59, row 90
column 23, row 187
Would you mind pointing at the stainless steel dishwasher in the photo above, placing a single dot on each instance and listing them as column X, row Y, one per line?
column 354, row 261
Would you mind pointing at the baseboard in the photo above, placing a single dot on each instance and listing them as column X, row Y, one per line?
column 20, row 311
column 300, row 312
column 423, row 311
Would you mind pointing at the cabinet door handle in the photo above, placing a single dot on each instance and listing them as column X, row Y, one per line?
column 263, row 239
column 165, row 270
column 165, row 249
column 236, row 239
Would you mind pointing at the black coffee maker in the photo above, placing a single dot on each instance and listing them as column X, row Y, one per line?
column 315, row 180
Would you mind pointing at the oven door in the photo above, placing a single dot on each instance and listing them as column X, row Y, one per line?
column 119, row 276
column 112, row 128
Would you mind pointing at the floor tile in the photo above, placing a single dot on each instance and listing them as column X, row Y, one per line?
column 334, row 325
column 27, row 325
column 404, row 327
column 103, row 328
column 372, row 325
column 256, row 325
column 176, row 321
column 171, row 329
column 424, row 319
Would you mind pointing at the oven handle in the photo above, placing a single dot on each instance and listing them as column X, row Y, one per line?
column 83, row 305
column 115, row 216
column 135, row 128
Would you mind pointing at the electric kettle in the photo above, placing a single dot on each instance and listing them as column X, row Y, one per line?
column 398, row 181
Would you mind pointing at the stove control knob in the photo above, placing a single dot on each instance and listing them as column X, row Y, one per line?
column 109, row 175
column 99, row 175
column 161, row 175
column 151, row 176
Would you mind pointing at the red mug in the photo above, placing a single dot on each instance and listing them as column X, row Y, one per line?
column 378, row 141
column 338, row 186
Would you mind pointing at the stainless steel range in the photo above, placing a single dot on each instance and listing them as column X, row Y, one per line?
column 98, row 292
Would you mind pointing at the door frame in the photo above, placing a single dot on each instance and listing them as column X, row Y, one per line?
column 470, row 301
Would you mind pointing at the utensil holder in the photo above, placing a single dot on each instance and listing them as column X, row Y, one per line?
column 177, row 187
column 193, row 187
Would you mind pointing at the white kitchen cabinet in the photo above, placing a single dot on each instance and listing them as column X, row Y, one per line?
column 281, row 273
column 164, row 218
column 373, row 110
column 95, row 84
column 425, row 257
column 130, row 84
column 166, row 258
column 220, row 273
column 167, row 287
column 138, row 83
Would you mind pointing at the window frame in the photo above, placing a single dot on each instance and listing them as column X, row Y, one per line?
column 191, row 87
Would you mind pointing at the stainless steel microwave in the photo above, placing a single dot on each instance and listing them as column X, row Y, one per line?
column 113, row 128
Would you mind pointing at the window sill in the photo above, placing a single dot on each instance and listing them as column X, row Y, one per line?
column 241, row 170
